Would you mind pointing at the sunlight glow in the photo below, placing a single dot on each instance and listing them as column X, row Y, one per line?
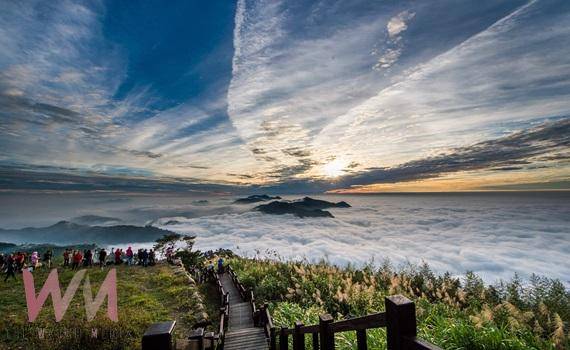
column 335, row 168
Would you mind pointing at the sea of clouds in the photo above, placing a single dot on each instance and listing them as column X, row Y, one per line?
column 493, row 235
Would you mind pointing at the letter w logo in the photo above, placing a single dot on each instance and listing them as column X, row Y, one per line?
column 60, row 304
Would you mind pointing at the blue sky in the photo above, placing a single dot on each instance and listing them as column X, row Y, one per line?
column 289, row 95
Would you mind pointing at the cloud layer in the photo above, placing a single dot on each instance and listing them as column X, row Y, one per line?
column 374, row 94
column 290, row 94
column 493, row 235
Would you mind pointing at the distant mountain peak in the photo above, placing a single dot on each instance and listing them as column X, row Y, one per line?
column 306, row 207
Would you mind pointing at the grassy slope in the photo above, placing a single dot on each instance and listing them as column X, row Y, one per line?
column 452, row 314
column 144, row 296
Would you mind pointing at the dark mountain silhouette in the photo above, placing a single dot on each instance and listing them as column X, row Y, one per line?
column 255, row 198
column 6, row 246
column 311, row 203
column 306, row 207
column 65, row 232
column 57, row 250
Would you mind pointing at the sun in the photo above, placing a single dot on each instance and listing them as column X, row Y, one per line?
column 335, row 168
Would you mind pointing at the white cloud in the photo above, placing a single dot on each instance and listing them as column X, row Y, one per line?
column 465, row 95
column 290, row 73
column 304, row 89
column 493, row 236
column 398, row 23
column 395, row 27
column 496, row 80
column 56, row 54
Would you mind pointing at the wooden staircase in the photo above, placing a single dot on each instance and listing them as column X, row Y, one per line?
column 242, row 333
column 239, row 316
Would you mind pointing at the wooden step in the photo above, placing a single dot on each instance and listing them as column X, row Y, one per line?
column 246, row 339
column 241, row 335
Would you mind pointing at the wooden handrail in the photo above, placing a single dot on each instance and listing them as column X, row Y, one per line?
column 365, row 322
column 399, row 319
column 268, row 319
column 224, row 308
column 310, row 329
column 221, row 329
column 377, row 320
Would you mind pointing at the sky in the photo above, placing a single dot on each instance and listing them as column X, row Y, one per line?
column 290, row 96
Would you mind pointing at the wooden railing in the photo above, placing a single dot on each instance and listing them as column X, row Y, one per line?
column 211, row 340
column 399, row 320
column 266, row 322
column 224, row 311
column 243, row 291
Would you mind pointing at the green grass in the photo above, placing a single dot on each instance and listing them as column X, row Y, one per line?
column 452, row 313
column 145, row 296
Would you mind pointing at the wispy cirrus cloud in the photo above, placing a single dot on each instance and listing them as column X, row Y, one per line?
column 476, row 81
column 63, row 102
column 307, row 93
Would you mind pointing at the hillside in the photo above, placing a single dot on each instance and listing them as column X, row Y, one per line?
column 145, row 296
column 452, row 313
column 65, row 232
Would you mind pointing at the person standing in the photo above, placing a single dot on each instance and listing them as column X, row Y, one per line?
column 47, row 258
column 221, row 265
column 77, row 259
column 130, row 256
column 20, row 260
column 10, row 268
column 102, row 257
column 66, row 254
column 89, row 258
column 139, row 256
column 117, row 257
column 34, row 260
column 145, row 258
column 151, row 258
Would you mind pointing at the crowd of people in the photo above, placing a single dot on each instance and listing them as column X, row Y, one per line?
column 87, row 258
column 14, row 263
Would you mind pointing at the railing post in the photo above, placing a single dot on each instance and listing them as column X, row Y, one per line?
column 327, row 336
column 209, row 340
column 272, row 339
column 283, row 341
column 361, row 341
column 315, row 341
column 197, row 336
column 400, row 321
column 298, row 338
column 158, row 336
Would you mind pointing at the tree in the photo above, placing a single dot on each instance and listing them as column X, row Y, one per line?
column 181, row 247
